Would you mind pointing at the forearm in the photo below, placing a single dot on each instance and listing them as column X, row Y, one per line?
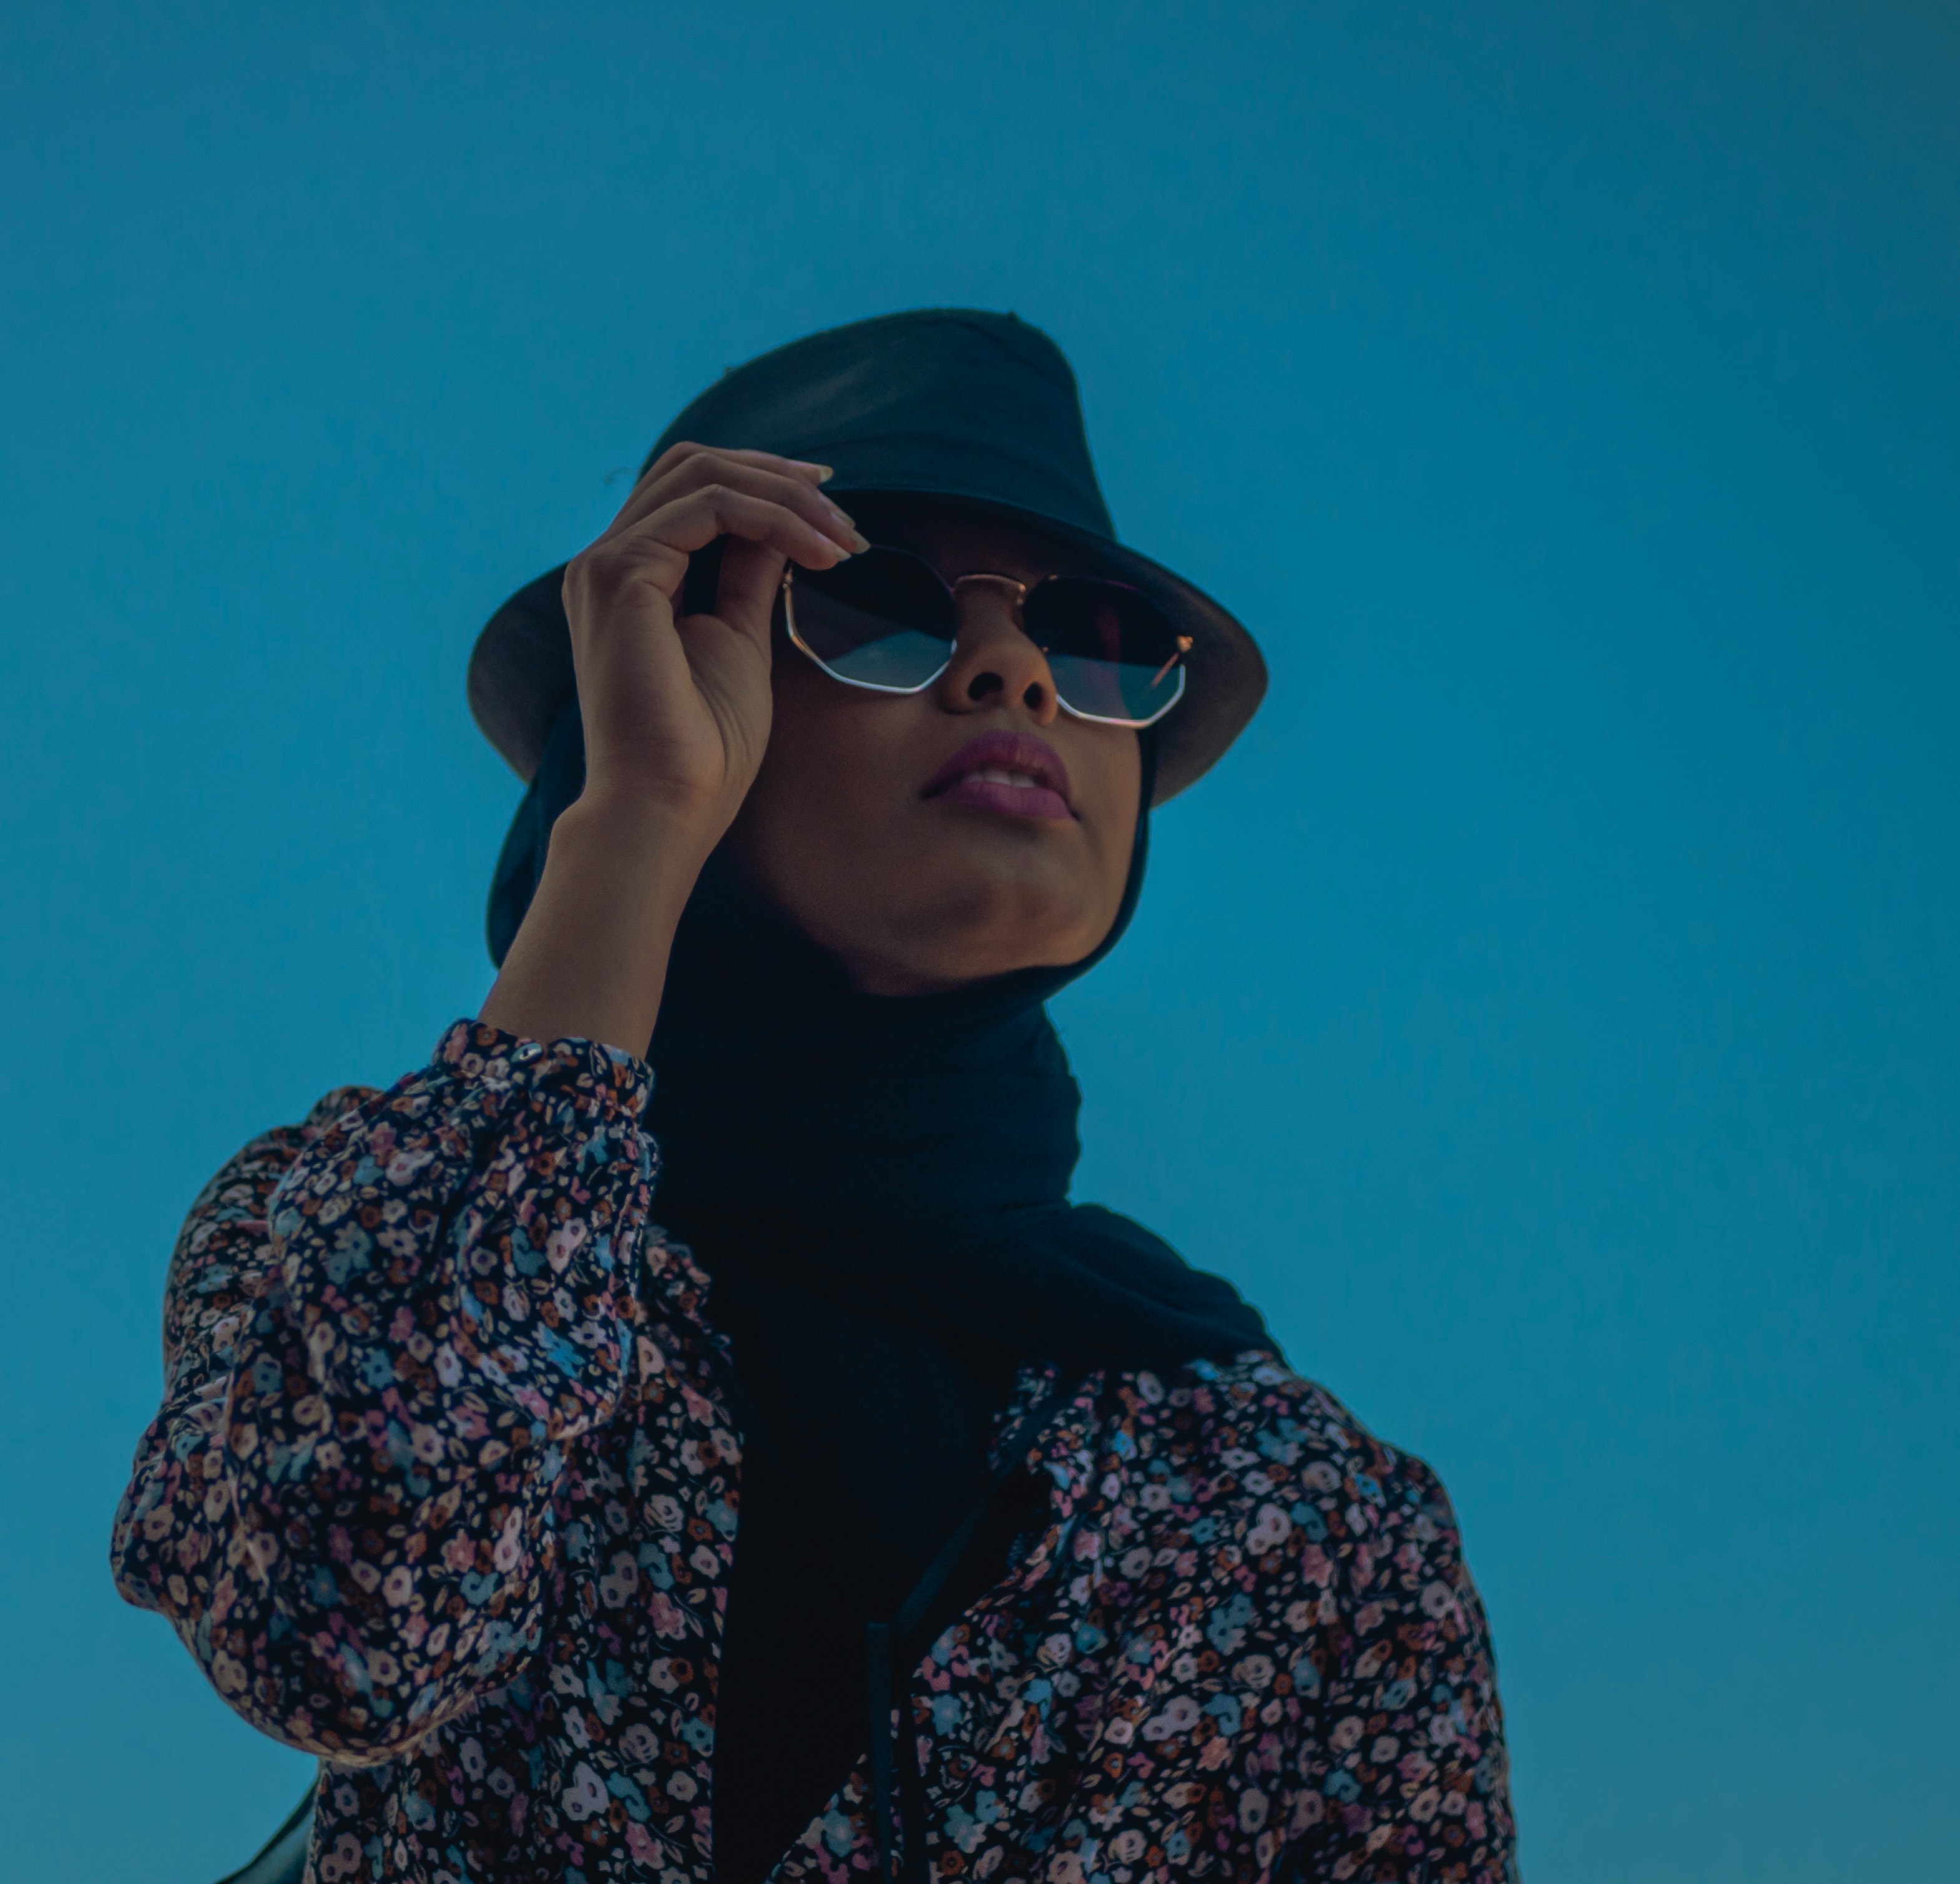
column 590, row 960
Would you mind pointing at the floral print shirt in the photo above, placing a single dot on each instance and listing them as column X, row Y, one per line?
column 443, row 1491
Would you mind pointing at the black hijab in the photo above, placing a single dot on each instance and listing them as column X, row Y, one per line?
column 877, row 1189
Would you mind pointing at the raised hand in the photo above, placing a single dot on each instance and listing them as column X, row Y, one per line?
column 676, row 717
column 677, row 711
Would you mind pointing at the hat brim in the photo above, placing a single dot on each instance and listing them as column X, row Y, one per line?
column 521, row 678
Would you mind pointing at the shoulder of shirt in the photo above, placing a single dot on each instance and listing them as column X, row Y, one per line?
column 1249, row 1416
column 330, row 1110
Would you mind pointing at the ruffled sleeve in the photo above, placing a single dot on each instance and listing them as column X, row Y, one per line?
column 382, row 1328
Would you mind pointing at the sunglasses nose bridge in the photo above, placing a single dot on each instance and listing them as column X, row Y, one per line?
column 1015, row 592
column 993, row 654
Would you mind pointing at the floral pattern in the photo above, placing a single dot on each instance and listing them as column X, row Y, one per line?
column 443, row 1491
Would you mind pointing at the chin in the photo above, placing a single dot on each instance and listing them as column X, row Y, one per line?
column 912, row 911
column 980, row 925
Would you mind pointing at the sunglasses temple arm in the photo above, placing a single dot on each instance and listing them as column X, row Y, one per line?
column 1183, row 648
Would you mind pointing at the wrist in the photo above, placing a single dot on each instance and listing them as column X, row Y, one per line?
column 589, row 959
column 621, row 784
column 643, row 844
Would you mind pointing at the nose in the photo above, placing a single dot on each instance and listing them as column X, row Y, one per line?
column 994, row 662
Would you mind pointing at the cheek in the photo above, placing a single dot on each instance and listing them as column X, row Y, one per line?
column 1113, row 784
column 828, row 780
column 831, row 752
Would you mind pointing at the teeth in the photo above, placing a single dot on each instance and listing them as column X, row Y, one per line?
column 994, row 775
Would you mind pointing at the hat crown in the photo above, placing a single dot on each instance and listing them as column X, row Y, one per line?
column 955, row 401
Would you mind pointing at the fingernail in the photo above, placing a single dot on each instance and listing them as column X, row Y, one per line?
column 841, row 514
column 824, row 473
column 859, row 541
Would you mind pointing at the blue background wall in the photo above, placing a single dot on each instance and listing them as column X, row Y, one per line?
column 1549, row 1011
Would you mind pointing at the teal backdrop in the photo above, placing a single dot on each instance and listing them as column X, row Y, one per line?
column 1547, row 1013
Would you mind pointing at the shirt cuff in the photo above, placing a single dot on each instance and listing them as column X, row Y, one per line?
column 604, row 1082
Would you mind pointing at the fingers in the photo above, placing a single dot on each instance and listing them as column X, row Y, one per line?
column 746, row 594
column 788, row 481
column 675, row 453
column 694, row 520
column 653, row 550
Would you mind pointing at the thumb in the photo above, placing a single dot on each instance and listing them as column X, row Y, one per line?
column 750, row 575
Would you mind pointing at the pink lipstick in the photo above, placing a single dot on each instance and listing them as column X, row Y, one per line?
column 1014, row 773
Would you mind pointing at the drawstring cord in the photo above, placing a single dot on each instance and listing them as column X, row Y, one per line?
column 878, row 1688
column 885, row 1643
column 879, row 1669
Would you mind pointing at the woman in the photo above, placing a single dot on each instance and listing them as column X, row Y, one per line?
column 734, row 1454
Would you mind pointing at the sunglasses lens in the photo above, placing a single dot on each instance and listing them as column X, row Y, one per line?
column 884, row 619
column 1113, row 653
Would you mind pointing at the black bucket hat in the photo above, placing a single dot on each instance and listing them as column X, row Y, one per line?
column 955, row 402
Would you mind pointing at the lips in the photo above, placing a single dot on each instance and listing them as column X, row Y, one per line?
column 1012, row 773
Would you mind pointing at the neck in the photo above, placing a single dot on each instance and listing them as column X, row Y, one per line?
column 782, row 1090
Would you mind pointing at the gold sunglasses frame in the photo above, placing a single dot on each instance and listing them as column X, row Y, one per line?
column 1021, row 593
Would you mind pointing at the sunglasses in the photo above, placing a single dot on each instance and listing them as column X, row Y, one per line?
column 887, row 621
